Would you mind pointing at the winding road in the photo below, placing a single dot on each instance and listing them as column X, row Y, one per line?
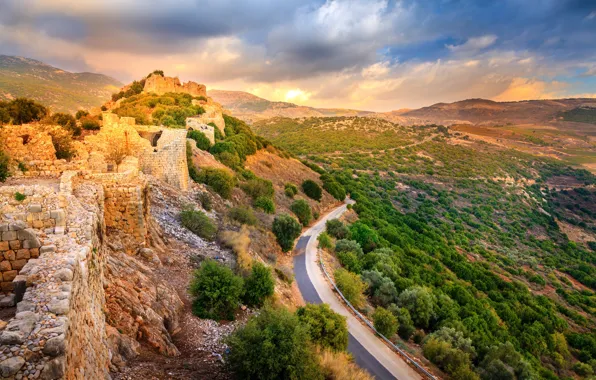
column 368, row 350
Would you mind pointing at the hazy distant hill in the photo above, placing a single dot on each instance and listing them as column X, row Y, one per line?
column 252, row 108
column 56, row 88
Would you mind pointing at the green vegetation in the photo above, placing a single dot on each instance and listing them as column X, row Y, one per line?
column 580, row 115
column 81, row 113
column 205, row 200
column 266, row 204
column 19, row 197
column 286, row 229
column 302, row 210
column 62, row 141
column 333, row 187
column 312, row 189
column 273, row 345
column 22, row 111
column 66, row 121
column 351, row 286
column 4, row 171
column 239, row 142
column 216, row 290
column 202, row 140
column 259, row 285
column 326, row 328
column 258, row 187
column 198, row 223
column 290, row 190
column 219, row 180
column 385, row 322
column 325, row 241
column 243, row 215
column 337, row 229
column 89, row 123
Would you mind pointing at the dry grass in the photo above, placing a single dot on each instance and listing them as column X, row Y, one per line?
column 239, row 242
column 340, row 366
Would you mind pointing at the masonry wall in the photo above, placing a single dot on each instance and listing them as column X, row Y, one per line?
column 126, row 209
column 18, row 244
column 25, row 141
column 167, row 161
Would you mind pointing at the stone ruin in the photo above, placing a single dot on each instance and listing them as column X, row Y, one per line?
column 195, row 124
column 160, row 85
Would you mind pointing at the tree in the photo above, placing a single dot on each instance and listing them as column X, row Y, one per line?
column 312, row 190
column 420, row 303
column 351, row 286
column 4, row 161
column 89, row 123
column 199, row 223
column 286, row 229
column 23, row 110
column 337, row 229
column 81, row 113
column 273, row 345
column 325, row 241
column 504, row 362
column 326, row 327
column 219, row 180
column 203, row 141
column 66, row 121
column 385, row 322
column 266, row 204
column 406, row 327
column 216, row 291
column 302, row 211
column 258, row 285
column 381, row 288
column 365, row 236
column 345, row 245
column 118, row 150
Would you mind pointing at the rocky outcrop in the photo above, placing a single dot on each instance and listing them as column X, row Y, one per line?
column 160, row 85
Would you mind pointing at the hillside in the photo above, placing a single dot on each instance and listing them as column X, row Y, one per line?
column 252, row 108
column 58, row 89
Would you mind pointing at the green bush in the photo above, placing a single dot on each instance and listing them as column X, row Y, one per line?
column 344, row 245
column 66, row 121
column 231, row 160
column 302, row 211
column 199, row 223
column 216, row 291
column 385, row 322
column 406, row 327
column 219, row 180
column 203, row 142
column 273, row 345
column 420, row 303
column 19, row 197
column 4, row 161
column 286, row 229
column 62, row 141
column 258, row 187
column 312, row 189
column 81, row 113
column 290, row 190
column 243, row 215
column 259, row 285
column 266, row 204
column 22, row 111
column 89, row 123
column 206, row 201
column 326, row 327
column 333, row 187
column 351, row 286
column 337, row 229
column 365, row 236
column 325, row 241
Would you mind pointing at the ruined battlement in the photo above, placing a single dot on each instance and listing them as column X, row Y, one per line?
column 160, row 85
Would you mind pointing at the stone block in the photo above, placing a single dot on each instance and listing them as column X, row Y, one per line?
column 23, row 254
column 34, row 252
column 47, row 248
column 9, row 275
column 37, row 224
column 17, row 226
column 14, row 244
column 9, row 255
column 18, row 264
column 35, row 207
column 26, row 234
column 4, row 246
column 3, row 227
column 7, row 301
column 31, row 243
column 5, row 266
column 9, row 235
column 6, row 286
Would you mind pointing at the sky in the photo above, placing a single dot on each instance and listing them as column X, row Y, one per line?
column 376, row 55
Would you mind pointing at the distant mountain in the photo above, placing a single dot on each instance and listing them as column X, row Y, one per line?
column 488, row 112
column 252, row 108
column 58, row 89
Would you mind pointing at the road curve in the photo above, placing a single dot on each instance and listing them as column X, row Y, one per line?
column 368, row 350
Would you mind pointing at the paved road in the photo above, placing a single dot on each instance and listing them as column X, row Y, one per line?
column 368, row 350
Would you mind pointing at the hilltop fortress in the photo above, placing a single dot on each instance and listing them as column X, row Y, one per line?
column 159, row 84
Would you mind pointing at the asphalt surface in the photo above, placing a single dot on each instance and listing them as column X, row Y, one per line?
column 368, row 350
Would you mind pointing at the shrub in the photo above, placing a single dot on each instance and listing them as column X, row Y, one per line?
column 243, row 215
column 216, row 291
column 337, row 229
column 19, row 197
column 334, row 188
column 290, row 190
column 583, row 369
column 351, row 286
column 62, row 142
column 258, row 285
column 350, row 260
column 239, row 241
column 286, row 229
column 285, row 274
column 199, row 223
column 273, row 345
column 365, row 236
column 420, row 303
column 325, row 241
column 89, row 123
column 4, row 161
column 266, row 204
column 22, row 111
column 345, row 245
column 385, row 322
column 258, row 187
column 66, row 121
column 448, row 358
column 206, row 201
column 81, row 113
column 231, row 160
column 23, row 167
column 312, row 189
column 326, row 328
column 219, row 180
column 203, row 142
column 340, row 365
column 302, row 211
column 406, row 326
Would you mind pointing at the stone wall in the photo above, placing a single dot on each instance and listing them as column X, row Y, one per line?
column 18, row 244
column 23, row 142
column 167, row 161
column 161, row 85
column 59, row 328
column 197, row 125
column 213, row 114
column 126, row 208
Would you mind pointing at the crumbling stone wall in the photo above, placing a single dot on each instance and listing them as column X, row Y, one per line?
column 126, row 208
column 18, row 244
column 22, row 142
column 213, row 114
column 161, row 85
column 167, row 161
column 59, row 328
column 197, row 125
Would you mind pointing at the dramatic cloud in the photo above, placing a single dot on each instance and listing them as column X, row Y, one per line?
column 370, row 54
